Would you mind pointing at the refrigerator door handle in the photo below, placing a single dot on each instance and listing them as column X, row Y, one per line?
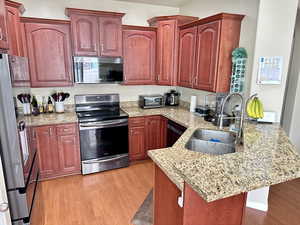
column 3, row 207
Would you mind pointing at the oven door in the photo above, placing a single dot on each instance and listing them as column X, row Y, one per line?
column 103, row 139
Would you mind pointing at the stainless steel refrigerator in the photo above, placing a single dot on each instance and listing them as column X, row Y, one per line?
column 19, row 159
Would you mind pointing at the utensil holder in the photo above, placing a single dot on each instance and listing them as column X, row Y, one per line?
column 59, row 107
column 26, row 109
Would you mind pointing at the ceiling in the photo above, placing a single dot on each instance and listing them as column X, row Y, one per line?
column 174, row 3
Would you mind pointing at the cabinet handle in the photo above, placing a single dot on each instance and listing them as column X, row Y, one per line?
column 34, row 135
column 102, row 47
column 50, row 131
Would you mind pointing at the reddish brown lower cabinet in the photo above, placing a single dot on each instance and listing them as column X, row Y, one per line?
column 137, row 143
column 146, row 133
column 197, row 211
column 58, row 150
column 166, row 193
column 47, row 151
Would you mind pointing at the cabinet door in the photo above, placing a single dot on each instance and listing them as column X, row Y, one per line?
column 206, row 59
column 3, row 29
column 49, row 53
column 19, row 71
column 47, row 151
column 154, row 135
column 110, row 29
column 139, row 56
column 85, row 35
column 166, row 51
column 68, row 148
column 187, row 45
column 14, row 31
column 137, row 143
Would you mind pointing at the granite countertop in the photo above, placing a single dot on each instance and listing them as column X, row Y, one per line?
column 49, row 119
column 267, row 158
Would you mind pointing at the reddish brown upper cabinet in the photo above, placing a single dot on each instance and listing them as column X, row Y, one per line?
column 85, row 35
column 4, row 45
column 13, row 12
column 19, row 71
column 110, row 29
column 187, row 45
column 49, row 52
column 208, row 38
column 58, row 150
column 216, row 37
column 96, row 33
column 167, row 46
column 139, row 52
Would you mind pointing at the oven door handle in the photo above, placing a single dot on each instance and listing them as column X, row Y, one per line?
column 104, row 124
column 104, row 160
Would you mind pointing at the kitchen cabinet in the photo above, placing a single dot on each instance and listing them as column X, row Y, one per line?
column 13, row 12
column 187, row 45
column 85, row 35
column 208, row 37
column 167, row 46
column 96, row 33
column 146, row 133
column 3, row 28
column 47, row 151
column 205, row 63
column 49, row 52
column 137, row 139
column 58, row 150
column 155, row 132
column 139, row 52
column 19, row 71
column 110, row 29
column 166, row 209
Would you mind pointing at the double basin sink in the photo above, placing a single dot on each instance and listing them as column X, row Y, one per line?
column 213, row 142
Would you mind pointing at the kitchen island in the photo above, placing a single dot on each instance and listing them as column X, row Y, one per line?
column 216, row 182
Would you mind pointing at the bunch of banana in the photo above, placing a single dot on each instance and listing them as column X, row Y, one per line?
column 255, row 109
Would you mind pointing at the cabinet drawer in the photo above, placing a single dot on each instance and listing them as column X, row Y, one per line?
column 137, row 121
column 66, row 129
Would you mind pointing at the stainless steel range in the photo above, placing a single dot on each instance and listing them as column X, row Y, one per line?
column 103, row 128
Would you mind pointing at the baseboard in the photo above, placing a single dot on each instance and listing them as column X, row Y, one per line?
column 258, row 206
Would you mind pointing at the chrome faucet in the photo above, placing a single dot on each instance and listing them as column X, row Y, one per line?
column 222, row 116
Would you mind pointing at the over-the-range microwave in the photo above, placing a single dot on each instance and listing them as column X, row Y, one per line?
column 92, row 70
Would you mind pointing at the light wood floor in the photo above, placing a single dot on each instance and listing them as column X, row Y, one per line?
column 112, row 198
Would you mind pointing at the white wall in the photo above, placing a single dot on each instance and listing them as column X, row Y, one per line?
column 276, row 22
column 204, row 8
column 136, row 14
column 291, row 119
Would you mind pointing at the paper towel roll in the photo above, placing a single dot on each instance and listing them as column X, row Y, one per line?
column 193, row 103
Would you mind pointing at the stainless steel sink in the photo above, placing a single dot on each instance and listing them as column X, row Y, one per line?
column 212, row 142
column 215, row 136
